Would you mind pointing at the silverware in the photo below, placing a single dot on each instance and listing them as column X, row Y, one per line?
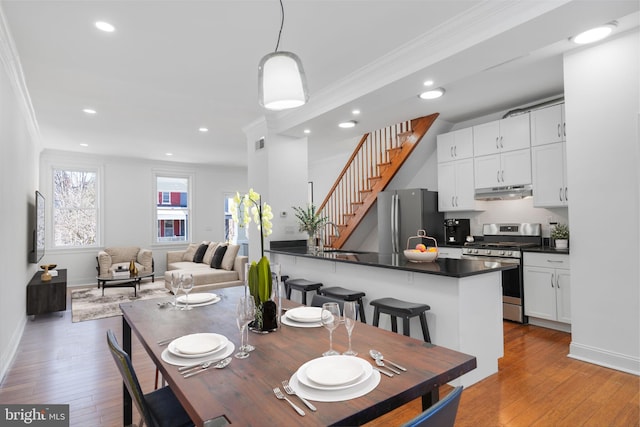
column 281, row 396
column 380, row 363
column 382, row 371
column 220, row 365
column 290, row 391
column 166, row 341
column 377, row 355
column 183, row 369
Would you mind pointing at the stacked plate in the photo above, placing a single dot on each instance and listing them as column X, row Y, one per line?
column 195, row 348
column 303, row 317
column 199, row 299
column 335, row 378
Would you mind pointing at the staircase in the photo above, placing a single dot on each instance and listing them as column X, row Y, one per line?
column 373, row 164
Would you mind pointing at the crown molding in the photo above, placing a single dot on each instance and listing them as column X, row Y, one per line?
column 11, row 62
column 474, row 26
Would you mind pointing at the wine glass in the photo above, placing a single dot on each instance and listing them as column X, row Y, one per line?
column 175, row 288
column 248, row 347
column 350, row 323
column 187, row 285
column 330, row 316
column 245, row 313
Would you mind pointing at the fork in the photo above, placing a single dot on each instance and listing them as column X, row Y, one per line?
column 291, row 392
column 281, row 396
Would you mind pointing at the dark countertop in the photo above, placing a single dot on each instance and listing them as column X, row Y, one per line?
column 443, row 267
column 546, row 250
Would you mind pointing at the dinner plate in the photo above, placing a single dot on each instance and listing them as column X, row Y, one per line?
column 286, row 320
column 172, row 359
column 213, row 301
column 197, row 345
column 197, row 298
column 305, row 314
column 353, row 392
column 334, row 372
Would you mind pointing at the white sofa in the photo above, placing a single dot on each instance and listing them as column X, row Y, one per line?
column 201, row 260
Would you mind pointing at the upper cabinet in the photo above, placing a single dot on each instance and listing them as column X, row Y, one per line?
column 456, row 145
column 512, row 133
column 548, row 125
column 500, row 170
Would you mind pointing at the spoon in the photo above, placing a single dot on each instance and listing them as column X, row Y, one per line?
column 219, row 365
column 377, row 355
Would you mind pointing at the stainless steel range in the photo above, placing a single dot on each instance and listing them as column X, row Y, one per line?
column 502, row 243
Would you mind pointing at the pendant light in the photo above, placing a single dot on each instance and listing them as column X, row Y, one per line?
column 281, row 80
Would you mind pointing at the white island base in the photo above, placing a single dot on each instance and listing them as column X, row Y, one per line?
column 465, row 315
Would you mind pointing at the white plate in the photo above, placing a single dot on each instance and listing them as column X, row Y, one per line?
column 197, row 345
column 290, row 322
column 181, row 361
column 305, row 314
column 332, row 371
column 197, row 298
column 213, row 301
column 335, row 395
column 305, row 380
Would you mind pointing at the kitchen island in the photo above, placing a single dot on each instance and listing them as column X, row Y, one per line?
column 465, row 296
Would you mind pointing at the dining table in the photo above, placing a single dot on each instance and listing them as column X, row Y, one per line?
column 242, row 393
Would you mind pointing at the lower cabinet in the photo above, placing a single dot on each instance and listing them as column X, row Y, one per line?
column 547, row 291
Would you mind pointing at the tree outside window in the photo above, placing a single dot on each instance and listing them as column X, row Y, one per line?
column 172, row 209
column 75, row 208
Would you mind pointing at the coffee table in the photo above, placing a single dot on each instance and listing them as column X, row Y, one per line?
column 109, row 281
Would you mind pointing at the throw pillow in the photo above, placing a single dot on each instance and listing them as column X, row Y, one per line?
column 208, row 255
column 230, row 257
column 197, row 257
column 190, row 252
column 216, row 262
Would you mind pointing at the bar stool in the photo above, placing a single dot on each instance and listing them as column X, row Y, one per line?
column 404, row 309
column 346, row 295
column 302, row 285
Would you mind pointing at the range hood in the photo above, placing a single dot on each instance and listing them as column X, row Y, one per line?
column 509, row 192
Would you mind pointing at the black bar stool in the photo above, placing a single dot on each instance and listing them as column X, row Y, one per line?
column 404, row 309
column 302, row 285
column 346, row 295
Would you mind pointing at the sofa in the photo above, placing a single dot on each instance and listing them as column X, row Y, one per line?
column 213, row 265
column 114, row 258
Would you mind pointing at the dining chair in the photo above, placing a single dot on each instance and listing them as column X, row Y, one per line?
column 160, row 408
column 440, row 414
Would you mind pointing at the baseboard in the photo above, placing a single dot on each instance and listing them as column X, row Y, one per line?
column 558, row 326
column 608, row 359
column 12, row 348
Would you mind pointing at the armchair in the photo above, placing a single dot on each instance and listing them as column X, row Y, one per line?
column 110, row 259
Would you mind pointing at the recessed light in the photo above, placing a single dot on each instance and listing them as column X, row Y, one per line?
column 428, row 83
column 84, row 144
column 432, row 94
column 307, row 131
column 355, row 112
column 348, row 124
column 89, row 111
column 105, row 26
column 595, row 34
column 203, row 129
column 168, row 154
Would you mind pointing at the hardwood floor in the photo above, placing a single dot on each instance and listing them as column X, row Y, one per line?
column 63, row 362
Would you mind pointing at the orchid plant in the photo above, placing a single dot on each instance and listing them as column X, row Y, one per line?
column 252, row 206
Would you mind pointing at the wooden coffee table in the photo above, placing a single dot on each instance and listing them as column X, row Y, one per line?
column 122, row 282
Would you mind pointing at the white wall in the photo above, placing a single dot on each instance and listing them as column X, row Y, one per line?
column 18, row 182
column 602, row 99
column 128, row 203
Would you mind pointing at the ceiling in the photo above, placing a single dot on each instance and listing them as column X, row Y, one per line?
column 172, row 67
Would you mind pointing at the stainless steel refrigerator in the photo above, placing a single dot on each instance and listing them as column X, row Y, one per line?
column 401, row 213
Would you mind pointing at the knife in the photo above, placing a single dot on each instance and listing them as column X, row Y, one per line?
column 382, row 371
column 396, row 365
column 196, row 365
column 190, row 374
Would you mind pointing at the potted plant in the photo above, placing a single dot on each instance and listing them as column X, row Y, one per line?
column 310, row 221
column 560, row 234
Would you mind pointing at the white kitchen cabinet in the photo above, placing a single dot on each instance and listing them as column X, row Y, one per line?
column 455, row 186
column 512, row 133
column 549, row 175
column 548, row 125
column 456, row 145
column 547, row 290
column 498, row 170
column 448, row 252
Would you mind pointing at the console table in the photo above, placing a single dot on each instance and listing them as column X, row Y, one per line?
column 49, row 296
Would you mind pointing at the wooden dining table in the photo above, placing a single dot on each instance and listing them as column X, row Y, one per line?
column 242, row 393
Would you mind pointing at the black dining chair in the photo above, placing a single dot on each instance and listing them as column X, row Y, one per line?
column 160, row 408
column 440, row 414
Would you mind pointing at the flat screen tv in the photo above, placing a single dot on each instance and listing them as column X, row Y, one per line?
column 38, row 234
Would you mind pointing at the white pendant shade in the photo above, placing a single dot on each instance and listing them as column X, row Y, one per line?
column 281, row 81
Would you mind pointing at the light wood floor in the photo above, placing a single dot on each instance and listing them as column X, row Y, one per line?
column 537, row 385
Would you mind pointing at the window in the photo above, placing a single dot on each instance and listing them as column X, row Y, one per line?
column 173, row 209
column 75, row 208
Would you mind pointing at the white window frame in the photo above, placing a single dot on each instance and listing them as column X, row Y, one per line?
column 189, row 209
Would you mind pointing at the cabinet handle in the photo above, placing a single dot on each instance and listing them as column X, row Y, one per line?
column 558, row 281
column 497, row 146
column 559, row 130
column 566, row 194
column 560, row 194
column 555, row 261
column 501, row 145
column 455, row 151
column 502, row 175
column 564, row 129
column 453, row 203
column 456, row 201
column 451, row 151
column 552, row 280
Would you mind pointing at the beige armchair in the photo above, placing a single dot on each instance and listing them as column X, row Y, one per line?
column 110, row 259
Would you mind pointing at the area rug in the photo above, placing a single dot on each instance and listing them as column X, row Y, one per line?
column 89, row 304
